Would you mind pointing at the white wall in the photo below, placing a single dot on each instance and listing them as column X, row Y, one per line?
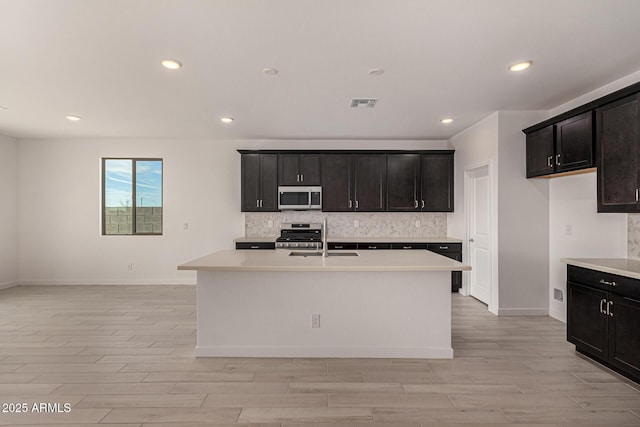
column 60, row 239
column 8, row 212
column 523, row 207
column 476, row 146
column 576, row 230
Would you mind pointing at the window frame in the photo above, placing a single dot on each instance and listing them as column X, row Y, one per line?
column 134, row 160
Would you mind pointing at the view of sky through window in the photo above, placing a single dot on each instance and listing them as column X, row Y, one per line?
column 119, row 183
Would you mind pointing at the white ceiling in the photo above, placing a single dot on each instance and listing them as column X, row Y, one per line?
column 100, row 59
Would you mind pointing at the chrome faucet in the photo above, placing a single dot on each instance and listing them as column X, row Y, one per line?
column 325, row 247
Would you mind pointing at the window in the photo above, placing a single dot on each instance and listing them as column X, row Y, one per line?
column 131, row 188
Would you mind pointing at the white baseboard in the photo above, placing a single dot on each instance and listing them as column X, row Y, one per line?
column 558, row 315
column 325, row 352
column 108, row 282
column 523, row 312
column 8, row 285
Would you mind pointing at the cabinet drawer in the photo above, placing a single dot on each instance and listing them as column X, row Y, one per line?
column 255, row 245
column 613, row 283
column 445, row 247
column 374, row 245
column 340, row 245
column 408, row 246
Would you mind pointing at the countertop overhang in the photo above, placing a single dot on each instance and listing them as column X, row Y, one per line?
column 621, row 266
column 279, row 260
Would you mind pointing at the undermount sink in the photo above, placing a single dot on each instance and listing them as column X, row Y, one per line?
column 330, row 254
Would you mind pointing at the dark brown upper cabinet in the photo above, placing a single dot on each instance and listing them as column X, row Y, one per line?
column 370, row 173
column 403, row 182
column 420, row 182
column 299, row 169
column 259, row 182
column 562, row 147
column 353, row 182
column 540, row 152
column 436, row 187
column 337, row 182
column 618, row 147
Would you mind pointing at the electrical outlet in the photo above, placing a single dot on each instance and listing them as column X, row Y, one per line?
column 130, row 267
column 418, row 224
column 315, row 320
column 356, row 223
column 557, row 294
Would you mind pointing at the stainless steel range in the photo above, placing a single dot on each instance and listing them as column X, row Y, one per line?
column 300, row 235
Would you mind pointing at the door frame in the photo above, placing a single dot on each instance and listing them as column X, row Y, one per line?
column 493, row 230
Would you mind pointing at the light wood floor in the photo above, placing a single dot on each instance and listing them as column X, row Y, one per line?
column 123, row 355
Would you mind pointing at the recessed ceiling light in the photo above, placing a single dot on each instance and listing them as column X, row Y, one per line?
column 270, row 71
column 171, row 64
column 376, row 71
column 520, row 66
column 73, row 118
column 226, row 119
column 446, row 121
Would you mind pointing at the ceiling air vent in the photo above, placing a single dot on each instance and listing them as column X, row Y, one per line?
column 363, row 102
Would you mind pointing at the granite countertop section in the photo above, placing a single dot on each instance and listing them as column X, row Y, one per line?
column 363, row 239
column 620, row 266
column 279, row 260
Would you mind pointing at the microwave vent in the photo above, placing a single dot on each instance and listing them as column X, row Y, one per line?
column 363, row 102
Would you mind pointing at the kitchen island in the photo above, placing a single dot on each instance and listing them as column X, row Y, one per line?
column 271, row 304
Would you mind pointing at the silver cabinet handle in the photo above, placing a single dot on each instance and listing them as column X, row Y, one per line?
column 423, row 204
column 338, row 247
column 356, row 204
column 604, row 282
column 609, row 307
column 350, row 204
column 261, row 202
column 549, row 161
column 257, row 203
column 255, row 247
column 602, row 301
column 444, row 247
column 558, row 159
column 637, row 193
column 301, row 177
column 407, row 247
column 415, row 204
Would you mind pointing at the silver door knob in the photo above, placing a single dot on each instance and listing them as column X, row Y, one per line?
column 471, row 240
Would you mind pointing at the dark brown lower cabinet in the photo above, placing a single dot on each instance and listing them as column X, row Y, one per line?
column 603, row 318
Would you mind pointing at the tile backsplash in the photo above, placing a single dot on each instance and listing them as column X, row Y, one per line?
column 342, row 224
column 633, row 236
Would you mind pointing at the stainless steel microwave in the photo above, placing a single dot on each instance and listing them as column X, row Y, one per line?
column 299, row 198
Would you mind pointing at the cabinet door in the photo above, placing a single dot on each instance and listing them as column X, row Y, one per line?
column 369, row 182
column 269, row 182
column 403, row 180
column 336, row 183
column 250, row 182
column 574, row 143
column 617, row 144
column 624, row 339
column 437, row 183
column 288, row 169
column 310, row 169
column 586, row 324
column 540, row 152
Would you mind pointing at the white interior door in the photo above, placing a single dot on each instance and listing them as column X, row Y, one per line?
column 479, row 232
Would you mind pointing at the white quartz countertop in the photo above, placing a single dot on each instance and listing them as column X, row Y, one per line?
column 620, row 266
column 364, row 239
column 279, row 260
